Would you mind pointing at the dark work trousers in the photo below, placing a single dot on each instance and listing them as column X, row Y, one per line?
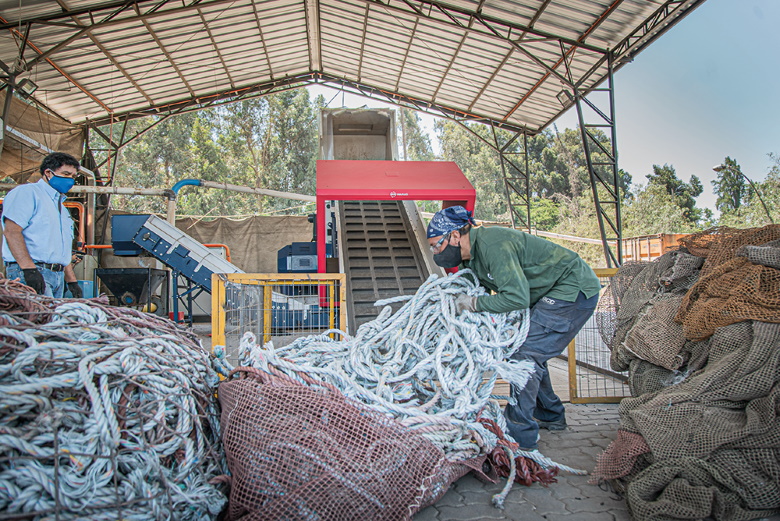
column 554, row 323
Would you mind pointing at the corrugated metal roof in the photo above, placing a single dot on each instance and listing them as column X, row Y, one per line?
column 505, row 61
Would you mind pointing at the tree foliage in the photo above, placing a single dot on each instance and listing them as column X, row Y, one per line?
column 729, row 187
column 272, row 142
column 751, row 213
column 682, row 194
column 269, row 142
column 415, row 142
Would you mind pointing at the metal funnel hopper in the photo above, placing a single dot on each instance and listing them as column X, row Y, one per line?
column 132, row 286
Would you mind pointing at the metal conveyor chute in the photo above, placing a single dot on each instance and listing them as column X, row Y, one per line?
column 381, row 256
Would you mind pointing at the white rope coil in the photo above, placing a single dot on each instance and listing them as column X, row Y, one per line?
column 106, row 417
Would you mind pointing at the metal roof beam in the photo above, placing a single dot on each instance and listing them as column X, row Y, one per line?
column 451, row 11
column 363, row 41
column 191, row 105
column 168, row 56
column 216, row 49
column 655, row 25
column 61, row 71
column 263, row 41
column 571, row 50
column 406, row 56
column 313, row 32
column 417, row 104
column 67, row 13
column 139, row 15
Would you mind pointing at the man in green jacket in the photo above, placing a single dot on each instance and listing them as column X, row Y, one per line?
column 521, row 271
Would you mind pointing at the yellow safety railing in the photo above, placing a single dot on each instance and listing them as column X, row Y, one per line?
column 276, row 307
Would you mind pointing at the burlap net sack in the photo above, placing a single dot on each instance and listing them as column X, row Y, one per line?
column 307, row 452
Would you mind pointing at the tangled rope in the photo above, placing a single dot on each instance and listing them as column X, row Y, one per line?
column 100, row 416
column 424, row 365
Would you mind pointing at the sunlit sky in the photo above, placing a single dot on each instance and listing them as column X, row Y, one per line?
column 707, row 89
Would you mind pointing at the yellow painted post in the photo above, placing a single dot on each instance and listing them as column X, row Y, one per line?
column 332, row 304
column 217, row 310
column 572, row 354
column 267, row 311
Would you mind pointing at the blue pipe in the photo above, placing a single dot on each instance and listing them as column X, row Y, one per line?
column 185, row 182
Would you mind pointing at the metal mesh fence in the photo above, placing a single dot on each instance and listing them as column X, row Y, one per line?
column 591, row 379
column 275, row 308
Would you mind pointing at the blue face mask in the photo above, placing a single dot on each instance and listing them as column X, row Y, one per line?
column 61, row 184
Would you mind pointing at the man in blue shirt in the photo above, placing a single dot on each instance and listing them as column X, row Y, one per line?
column 38, row 230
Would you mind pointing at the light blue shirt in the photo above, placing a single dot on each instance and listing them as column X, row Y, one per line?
column 46, row 224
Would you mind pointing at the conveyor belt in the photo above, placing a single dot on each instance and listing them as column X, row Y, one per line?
column 381, row 257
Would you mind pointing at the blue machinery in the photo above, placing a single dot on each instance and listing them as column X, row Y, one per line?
column 294, row 307
column 135, row 234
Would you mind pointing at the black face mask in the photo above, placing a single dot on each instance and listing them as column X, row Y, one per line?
column 449, row 257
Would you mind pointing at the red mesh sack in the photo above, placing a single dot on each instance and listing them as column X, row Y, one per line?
column 301, row 452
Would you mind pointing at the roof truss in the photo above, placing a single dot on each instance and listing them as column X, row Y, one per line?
column 503, row 62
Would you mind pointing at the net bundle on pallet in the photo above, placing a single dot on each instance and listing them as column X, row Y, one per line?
column 701, row 436
column 376, row 425
column 105, row 413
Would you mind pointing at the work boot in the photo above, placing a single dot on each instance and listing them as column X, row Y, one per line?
column 557, row 425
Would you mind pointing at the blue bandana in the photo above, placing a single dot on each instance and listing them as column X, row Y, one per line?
column 447, row 220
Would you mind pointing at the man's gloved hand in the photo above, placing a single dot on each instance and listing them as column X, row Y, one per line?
column 75, row 289
column 34, row 279
column 465, row 302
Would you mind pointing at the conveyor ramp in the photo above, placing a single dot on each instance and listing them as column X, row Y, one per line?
column 180, row 252
column 380, row 254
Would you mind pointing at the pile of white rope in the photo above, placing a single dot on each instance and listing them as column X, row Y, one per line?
column 424, row 365
column 430, row 369
column 106, row 415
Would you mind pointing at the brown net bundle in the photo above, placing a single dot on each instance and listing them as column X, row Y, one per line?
column 701, row 437
column 22, row 302
column 732, row 287
column 300, row 452
column 105, row 413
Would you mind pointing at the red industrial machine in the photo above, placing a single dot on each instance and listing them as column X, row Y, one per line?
column 349, row 180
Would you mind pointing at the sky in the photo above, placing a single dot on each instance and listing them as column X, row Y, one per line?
column 707, row 89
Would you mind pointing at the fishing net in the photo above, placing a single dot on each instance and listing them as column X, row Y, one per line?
column 733, row 287
column 299, row 452
column 701, row 436
column 105, row 413
column 378, row 425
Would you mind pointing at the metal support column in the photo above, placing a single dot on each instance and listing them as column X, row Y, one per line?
column 516, row 181
column 514, row 168
column 602, row 166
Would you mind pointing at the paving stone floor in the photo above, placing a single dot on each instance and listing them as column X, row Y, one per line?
column 591, row 428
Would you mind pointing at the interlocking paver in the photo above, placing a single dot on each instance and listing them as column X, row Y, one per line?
column 471, row 512
column 427, row 514
column 451, row 498
column 591, row 429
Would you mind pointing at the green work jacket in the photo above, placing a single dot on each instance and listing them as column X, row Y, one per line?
column 521, row 268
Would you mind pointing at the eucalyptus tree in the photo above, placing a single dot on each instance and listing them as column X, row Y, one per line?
column 753, row 209
column 683, row 194
column 467, row 145
column 729, row 186
column 415, row 141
